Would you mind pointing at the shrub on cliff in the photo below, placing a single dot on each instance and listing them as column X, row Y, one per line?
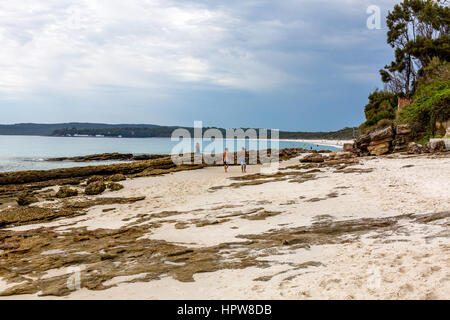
column 379, row 111
column 431, row 101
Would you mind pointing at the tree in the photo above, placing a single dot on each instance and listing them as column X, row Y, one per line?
column 418, row 31
column 382, row 106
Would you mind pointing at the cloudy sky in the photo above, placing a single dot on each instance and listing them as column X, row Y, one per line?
column 287, row 64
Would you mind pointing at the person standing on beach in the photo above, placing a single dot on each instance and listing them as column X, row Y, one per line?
column 197, row 148
column 243, row 161
column 226, row 160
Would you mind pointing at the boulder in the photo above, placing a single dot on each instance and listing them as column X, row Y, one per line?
column 415, row 148
column 26, row 198
column 114, row 186
column 313, row 157
column 65, row 192
column 95, row 188
column 435, row 146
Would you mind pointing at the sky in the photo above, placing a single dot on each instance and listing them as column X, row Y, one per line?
column 299, row 65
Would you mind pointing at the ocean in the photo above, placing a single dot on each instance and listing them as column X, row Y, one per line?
column 29, row 152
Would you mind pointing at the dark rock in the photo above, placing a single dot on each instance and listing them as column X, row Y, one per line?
column 400, row 142
column 415, row 148
column 117, row 177
column 435, row 146
column 113, row 186
column 25, row 199
column 65, row 192
column 96, row 157
column 95, row 188
column 363, row 140
column 94, row 179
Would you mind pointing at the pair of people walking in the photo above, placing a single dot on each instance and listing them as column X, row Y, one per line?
column 241, row 157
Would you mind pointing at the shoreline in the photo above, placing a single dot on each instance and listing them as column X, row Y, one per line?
column 338, row 143
column 310, row 231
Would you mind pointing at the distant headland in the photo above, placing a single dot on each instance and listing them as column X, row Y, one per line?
column 75, row 129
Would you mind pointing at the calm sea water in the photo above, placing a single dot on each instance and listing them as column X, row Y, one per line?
column 29, row 152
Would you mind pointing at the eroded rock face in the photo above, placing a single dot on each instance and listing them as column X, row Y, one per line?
column 402, row 138
column 380, row 141
column 377, row 149
column 376, row 143
column 95, row 188
column 382, row 134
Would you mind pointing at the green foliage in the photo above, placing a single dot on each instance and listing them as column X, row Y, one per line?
column 431, row 103
column 380, row 111
column 418, row 30
column 419, row 33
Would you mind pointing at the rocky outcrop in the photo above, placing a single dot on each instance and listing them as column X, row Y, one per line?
column 402, row 138
column 95, row 188
column 109, row 157
column 430, row 147
column 380, row 141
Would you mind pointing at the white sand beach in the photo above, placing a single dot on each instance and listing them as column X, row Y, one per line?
column 324, row 142
column 409, row 259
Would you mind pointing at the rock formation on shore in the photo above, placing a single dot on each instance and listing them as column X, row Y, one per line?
column 391, row 139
